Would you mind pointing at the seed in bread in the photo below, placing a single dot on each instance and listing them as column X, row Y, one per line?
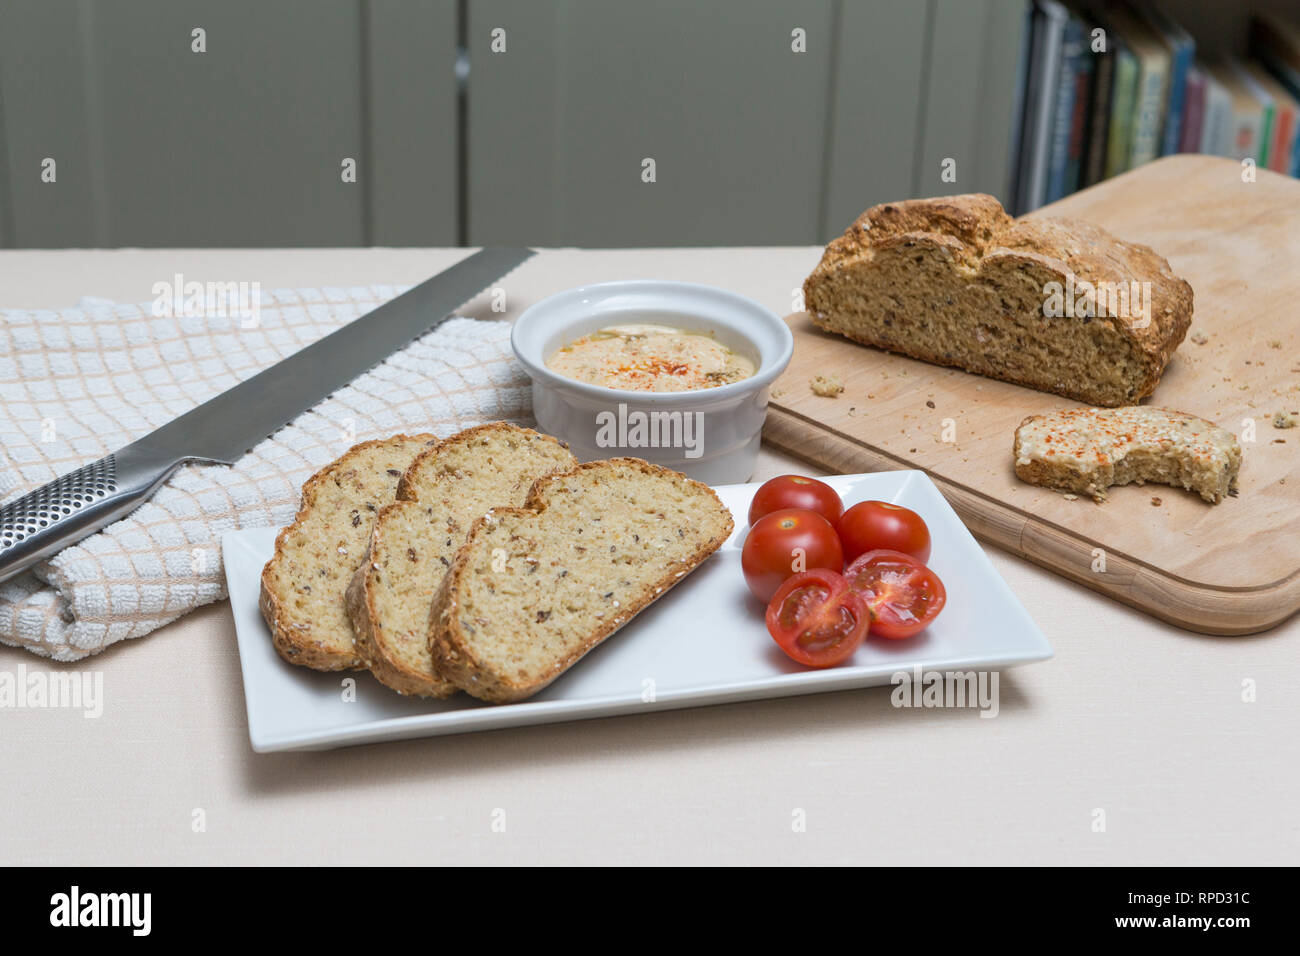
column 534, row 589
column 956, row 281
column 315, row 557
column 442, row 494
column 1087, row 450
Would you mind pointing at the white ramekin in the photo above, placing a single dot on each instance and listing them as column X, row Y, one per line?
column 712, row 434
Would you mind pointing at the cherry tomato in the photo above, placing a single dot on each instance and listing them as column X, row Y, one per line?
column 817, row 619
column 876, row 525
column 784, row 543
column 795, row 491
column 902, row 594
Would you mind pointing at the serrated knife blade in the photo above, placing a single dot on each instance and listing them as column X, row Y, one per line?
column 222, row 429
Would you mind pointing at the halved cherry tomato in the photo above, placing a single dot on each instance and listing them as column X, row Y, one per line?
column 784, row 543
column 902, row 594
column 795, row 491
column 817, row 619
column 876, row 525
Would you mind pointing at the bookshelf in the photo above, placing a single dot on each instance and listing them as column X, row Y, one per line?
column 1221, row 26
column 1109, row 85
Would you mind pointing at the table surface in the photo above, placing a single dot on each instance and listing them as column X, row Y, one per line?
column 1134, row 724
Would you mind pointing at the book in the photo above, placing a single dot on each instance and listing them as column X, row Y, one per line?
column 1153, row 81
column 1072, row 85
column 1286, row 114
column 1040, row 99
column 1216, row 126
column 1083, row 92
column 1094, row 164
column 1182, row 51
column 1193, row 111
column 1119, row 139
column 1267, row 108
column 1276, row 44
column 1246, row 115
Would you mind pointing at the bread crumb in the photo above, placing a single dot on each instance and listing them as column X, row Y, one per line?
column 1285, row 419
column 827, row 386
column 1070, row 497
column 1275, row 343
column 1155, row 501
column 1199, row 338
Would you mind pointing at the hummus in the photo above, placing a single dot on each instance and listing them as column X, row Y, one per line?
column 650, row 358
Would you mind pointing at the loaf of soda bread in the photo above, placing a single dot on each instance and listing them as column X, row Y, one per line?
column 1053, row 304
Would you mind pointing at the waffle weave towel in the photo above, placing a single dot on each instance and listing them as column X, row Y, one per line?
column 76, row 384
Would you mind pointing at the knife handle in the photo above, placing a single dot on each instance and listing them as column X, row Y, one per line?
column 47, row 520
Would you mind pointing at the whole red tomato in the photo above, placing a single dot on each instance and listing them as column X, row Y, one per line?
column 783, row 544
column 877, row 525
column 796, row 491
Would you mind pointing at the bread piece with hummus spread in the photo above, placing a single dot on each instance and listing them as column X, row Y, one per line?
column 1054, row 304
column 1087, row 450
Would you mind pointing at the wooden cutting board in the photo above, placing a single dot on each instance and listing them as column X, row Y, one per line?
column 1232, row 568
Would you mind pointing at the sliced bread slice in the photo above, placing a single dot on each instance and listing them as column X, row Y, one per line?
column 1087, row 450
column 1053, row 304
column 315, row 557
column 536, row 588
column 415, row 539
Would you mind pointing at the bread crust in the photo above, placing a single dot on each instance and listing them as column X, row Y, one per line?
column 980, row 238
column 454, row 653
column 295, row 644
column 372, row 643
column 371, row 648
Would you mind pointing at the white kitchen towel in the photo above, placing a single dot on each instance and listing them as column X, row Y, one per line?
column 76, row 384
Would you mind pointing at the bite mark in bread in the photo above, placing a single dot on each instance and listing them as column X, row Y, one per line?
column 1088, row 450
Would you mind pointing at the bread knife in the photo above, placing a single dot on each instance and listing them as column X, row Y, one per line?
column 43, row 522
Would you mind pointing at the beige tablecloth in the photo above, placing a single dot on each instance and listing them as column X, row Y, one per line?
column 1152, row 726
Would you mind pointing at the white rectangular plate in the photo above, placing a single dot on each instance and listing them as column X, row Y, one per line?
column 703, row 643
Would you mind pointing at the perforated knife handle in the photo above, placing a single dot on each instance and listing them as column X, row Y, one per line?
column 45, row 521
